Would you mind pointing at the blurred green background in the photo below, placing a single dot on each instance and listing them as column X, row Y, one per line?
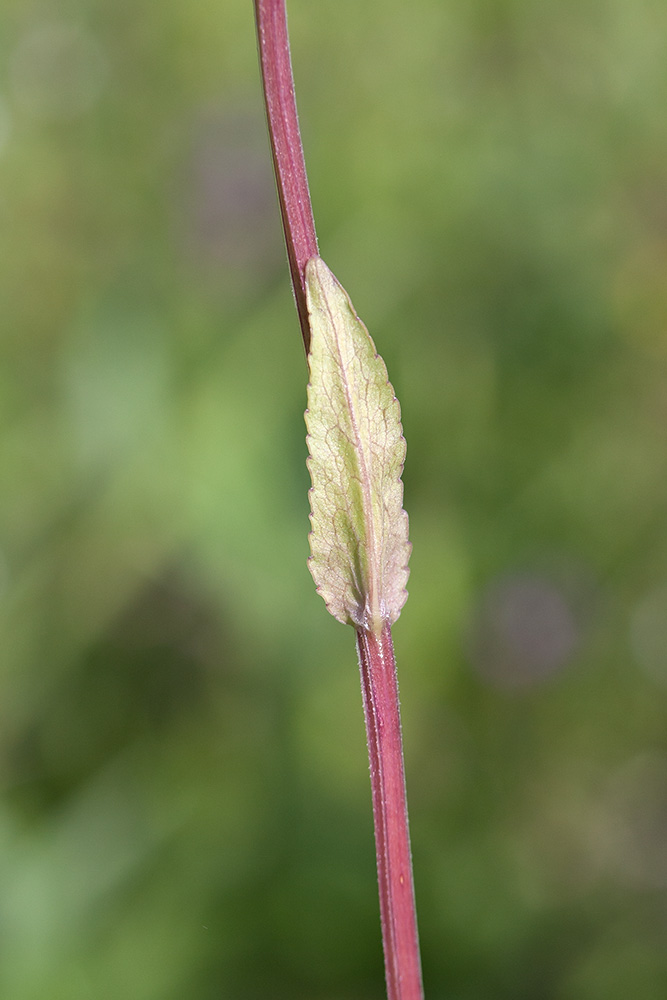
column 185, row 802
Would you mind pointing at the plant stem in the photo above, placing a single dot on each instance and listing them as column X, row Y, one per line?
column 390, row 815
column 376, row 652
column 286, row 148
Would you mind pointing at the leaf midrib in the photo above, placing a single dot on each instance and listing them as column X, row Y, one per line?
column 366, row 487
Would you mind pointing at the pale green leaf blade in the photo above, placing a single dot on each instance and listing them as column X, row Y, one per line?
column 359, row 538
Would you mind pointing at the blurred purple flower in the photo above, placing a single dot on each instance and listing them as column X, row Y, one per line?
column 231, row 216
column 522, row 632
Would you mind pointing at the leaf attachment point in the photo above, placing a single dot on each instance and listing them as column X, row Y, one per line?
column 359, row 539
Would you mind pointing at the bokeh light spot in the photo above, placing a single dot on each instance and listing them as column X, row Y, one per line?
column 648, row 634
column 635, row 821
column 57, row 71
column 5, row 125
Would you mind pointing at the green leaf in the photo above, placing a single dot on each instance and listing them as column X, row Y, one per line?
column 359, row 539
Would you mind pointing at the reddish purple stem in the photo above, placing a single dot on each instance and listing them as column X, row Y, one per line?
column 286, row 148
column 390, row 815
column 376, row 653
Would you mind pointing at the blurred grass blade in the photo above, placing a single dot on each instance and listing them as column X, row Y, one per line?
column 359, row 539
